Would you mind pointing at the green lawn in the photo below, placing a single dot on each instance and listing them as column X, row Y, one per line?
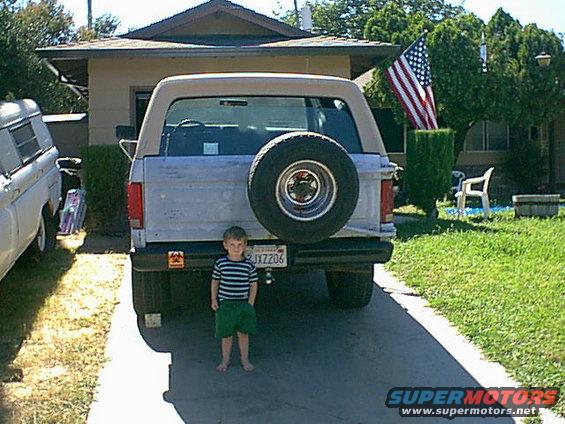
column 502, row 282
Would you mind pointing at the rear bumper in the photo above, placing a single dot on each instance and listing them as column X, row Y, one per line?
column 329, row 254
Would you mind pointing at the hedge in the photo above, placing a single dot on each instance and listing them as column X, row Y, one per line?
column 527, row 167
column 104, row 176
column 429, row 161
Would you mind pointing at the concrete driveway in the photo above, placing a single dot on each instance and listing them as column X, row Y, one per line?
column 314, row 363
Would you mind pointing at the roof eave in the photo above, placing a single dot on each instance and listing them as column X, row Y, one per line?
column 384, row 50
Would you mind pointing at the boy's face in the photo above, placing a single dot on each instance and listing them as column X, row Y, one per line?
column 235, row 247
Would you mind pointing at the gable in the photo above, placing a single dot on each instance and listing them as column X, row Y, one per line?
column 208, row 18
column 218, row 23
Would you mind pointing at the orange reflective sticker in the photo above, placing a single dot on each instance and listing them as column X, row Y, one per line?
column 176, row 260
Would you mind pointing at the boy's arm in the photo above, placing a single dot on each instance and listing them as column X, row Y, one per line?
column 252, row 293
column 214, row 285
column 214, row 293
column 253, row 285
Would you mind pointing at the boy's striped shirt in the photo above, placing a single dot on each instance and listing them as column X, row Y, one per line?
column 235, row 277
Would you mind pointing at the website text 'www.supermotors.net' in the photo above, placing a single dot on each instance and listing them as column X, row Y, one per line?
column 452, row 402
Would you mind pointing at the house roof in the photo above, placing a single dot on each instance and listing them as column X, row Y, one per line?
column 172, row 37
column 364, row 79
column 214, row 46
column 211, row 7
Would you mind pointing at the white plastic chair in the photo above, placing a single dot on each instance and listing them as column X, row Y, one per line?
column 466, row 191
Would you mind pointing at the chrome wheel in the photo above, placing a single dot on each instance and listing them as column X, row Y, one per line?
column 306, row 190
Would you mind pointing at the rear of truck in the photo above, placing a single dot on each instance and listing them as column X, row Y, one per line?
column 295, row 160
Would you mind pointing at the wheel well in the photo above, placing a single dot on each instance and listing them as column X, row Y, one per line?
column 49, row 208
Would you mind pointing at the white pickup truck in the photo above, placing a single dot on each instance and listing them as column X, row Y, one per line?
column 30, row 183
column 295, row 160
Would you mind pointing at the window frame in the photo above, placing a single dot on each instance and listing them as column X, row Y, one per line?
column 485, row 138
column 17, row 146
column 140, row 94
column 7, row 138
column 310, row 109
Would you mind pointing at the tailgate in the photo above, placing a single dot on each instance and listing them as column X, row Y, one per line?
column 195, row 198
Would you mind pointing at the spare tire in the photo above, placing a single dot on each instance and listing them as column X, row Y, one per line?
column 303, row 187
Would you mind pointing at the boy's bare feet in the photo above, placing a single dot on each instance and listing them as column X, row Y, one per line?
column 247, row 366
column 223, row 367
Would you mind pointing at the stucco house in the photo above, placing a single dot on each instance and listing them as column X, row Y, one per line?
column 486, row 144
column 118, row 74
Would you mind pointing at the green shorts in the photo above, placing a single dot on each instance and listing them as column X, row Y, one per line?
column 235, row 316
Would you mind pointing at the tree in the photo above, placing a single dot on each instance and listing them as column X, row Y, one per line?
column 515, row 89
column 26, row 27
column 104, row 26
column 22, row 74
column 12, row 56
column 348, row 18
column 456, row 74
column 45, row 23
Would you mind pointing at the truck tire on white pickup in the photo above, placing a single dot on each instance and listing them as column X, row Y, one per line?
column 45, row 238
column 303, row 187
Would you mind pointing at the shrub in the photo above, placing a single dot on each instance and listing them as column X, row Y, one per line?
column 104, row 176
column 429, row 160
column 526, row 167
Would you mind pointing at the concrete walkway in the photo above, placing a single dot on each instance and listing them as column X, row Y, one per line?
column 314, row 363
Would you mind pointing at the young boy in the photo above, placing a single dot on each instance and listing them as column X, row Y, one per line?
column 234, row 286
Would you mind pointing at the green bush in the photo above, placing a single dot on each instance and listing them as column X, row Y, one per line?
column 429, row 160
column 526, row 167
column 105, row 170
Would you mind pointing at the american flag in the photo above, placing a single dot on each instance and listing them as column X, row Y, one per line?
column 411, row 80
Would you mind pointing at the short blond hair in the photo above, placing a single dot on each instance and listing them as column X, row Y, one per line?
column 236, row 233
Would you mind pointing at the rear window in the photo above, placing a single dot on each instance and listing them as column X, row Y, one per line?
column 9, row 157
column 242, row 125
column 26, row 142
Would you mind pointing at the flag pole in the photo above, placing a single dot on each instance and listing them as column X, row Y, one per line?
column 423, row 34
column 89, row 14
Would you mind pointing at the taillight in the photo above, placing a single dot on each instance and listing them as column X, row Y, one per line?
column 387, row 201
column 135, row 205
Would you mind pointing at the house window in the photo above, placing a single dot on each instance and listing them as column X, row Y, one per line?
column 487, row 136
column 26, row 142
column 141, row 103
column 393, row 134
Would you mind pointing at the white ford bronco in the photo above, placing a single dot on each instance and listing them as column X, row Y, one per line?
column 295, row 160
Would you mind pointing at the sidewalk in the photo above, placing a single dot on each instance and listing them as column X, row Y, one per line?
column 488, row 374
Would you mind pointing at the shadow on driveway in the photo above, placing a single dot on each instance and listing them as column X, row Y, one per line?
column 314, row 363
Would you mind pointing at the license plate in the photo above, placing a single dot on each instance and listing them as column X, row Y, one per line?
column 267, row 255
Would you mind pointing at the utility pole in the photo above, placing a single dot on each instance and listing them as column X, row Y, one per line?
column 89, row 13
column 295, row 14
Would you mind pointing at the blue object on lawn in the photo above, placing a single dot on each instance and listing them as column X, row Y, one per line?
column 477, row 211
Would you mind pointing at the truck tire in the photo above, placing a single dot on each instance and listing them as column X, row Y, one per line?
column 46, row 236
column 151, row 292
column 349, row 290
column 303, row 187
